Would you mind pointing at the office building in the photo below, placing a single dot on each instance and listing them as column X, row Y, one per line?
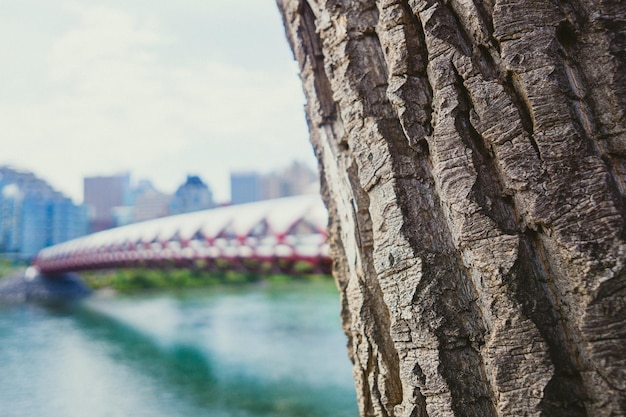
column 245, row 187
column 296, row 179
column 102, row 195
column 193, row 195
column 33, row 215
column 151, row 204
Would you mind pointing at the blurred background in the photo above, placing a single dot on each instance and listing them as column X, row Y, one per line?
column 114, row 112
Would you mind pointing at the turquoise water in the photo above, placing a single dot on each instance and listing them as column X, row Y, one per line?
column 258, row 350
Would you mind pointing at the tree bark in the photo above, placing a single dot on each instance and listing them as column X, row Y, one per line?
column 473, row 161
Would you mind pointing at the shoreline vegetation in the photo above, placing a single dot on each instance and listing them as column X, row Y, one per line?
column 140, row 279
column 10, row 267
column 129, row 280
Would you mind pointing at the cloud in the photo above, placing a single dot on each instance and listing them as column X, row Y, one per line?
column 115, row 100
column 104, row 35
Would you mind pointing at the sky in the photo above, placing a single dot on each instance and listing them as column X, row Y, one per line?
column 162, row 89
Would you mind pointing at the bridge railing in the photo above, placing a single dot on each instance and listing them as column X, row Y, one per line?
column 277, row 235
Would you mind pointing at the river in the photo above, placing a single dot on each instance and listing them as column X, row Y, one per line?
column 241, row 351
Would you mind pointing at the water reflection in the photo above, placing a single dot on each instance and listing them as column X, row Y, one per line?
column 244, row 352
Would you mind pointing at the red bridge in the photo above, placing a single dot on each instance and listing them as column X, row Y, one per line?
column 284, row 234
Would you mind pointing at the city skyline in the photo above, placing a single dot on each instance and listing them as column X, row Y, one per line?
column 34, row 214
column 304, row 178
column 162, row 91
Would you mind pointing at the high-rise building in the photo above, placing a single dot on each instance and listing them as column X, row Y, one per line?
column 10, row 218
column 299, row 179
column 273, row 186
column 102, row 194
column 193, row 195
column 33, row 215
column 296, row 179
column 245, row 187
column 151, row 204
column 67, row 220
column 35, row 227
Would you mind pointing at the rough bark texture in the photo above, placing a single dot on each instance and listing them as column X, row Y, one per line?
column 473, row 160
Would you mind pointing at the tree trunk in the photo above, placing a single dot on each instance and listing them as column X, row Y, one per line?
column 473, row 161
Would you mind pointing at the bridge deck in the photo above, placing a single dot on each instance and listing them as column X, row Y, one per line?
column 279, row 234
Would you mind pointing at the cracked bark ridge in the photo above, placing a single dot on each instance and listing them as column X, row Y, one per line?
column 473, row 160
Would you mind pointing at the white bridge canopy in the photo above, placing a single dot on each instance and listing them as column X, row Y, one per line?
column 276, row 232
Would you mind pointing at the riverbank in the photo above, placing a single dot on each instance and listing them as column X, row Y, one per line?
column 15, row 286
column 9, row 267
column 31, row 286
column 134, row 280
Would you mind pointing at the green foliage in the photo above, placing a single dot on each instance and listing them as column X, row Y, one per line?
column 8, row 267
column 280, row 278
column 130, row 280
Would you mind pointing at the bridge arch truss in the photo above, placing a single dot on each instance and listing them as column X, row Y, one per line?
column 272, row 235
